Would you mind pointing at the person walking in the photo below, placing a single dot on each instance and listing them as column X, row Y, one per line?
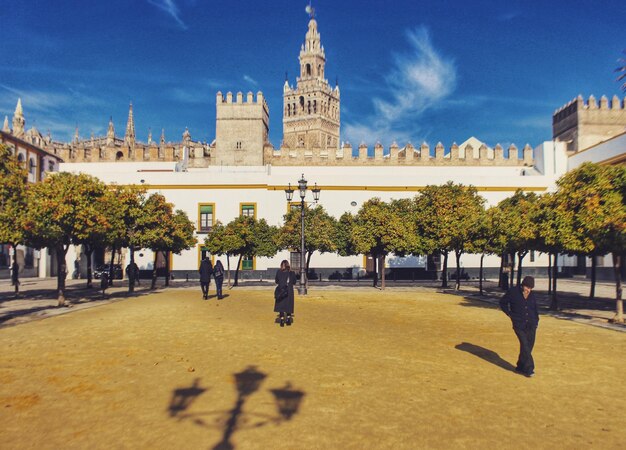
column 283, row 294
column 520, row 305
column 218, row 273
column 206, row 270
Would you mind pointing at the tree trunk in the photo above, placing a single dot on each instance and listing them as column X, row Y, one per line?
column 549, row 273
column 520, row 258
column 444, row 270
column 375, row 260
column 154, row 270
column 167, row 267
column 15, row 274
column 228, row 267
column 592, row 290
column 457, row 284
column 111, row 271
column 480, row 274
column 89, row 251
column 131, row 276
column 308, row 262
column 62, row 271
column 500, row 271
column 382, row 271
column 554, row 303
column 619, row 305
column 512, row 277
column 236, row 283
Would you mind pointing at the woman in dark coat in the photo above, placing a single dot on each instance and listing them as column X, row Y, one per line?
column 283, row 295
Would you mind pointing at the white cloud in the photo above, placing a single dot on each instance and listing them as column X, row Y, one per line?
column 250, row 80
column 170, row 7
column 419, row 80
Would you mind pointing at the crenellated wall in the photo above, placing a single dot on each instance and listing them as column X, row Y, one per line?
column 407, row 155
column 582, row 124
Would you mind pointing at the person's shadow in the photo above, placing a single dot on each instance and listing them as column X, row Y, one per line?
column 486, row 354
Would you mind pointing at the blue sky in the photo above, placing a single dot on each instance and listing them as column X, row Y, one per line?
column 413, row 71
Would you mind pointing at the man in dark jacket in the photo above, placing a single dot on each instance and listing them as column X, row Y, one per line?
column 206, row 270
column 520, row 305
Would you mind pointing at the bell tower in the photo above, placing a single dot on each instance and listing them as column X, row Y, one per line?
column 311, row 113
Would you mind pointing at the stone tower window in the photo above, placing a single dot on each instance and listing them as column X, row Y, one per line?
column 302, row 104
column 308, row 69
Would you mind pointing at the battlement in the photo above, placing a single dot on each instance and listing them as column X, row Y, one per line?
column 228, row 98
column 583, row 123
column 396, row 155
column 579, row 104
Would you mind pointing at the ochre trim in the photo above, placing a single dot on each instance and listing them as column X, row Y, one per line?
column 614, row 160
column 335, row 188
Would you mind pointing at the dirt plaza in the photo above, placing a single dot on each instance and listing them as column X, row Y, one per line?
column 361, row 368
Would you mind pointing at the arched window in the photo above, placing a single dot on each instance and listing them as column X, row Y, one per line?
column 302, row 104
column 20, row 157
column 308, row 69
column 119, row 156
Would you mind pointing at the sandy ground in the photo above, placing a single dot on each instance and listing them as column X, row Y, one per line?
column 358, row 369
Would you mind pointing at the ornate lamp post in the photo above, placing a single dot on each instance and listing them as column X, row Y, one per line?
column 302, row 187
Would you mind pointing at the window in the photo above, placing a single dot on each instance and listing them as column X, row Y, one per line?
column 294, row 261
column 206, row 213
column 293, row 205
column 31, row 166
column 532, row 256
column 248, row 209
column 29, row 258
column 203, row 252
column 247, row 263
column 238, row 145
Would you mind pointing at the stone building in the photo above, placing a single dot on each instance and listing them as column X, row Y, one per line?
column 582, row 124
column 29, row 146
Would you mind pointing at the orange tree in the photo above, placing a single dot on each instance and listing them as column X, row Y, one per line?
column 319, row 230
column 243, row 236
column 13, row 178
column 591, row 208
column 519, row 226
column 127, row 209
column 382, row 228
column 63, row 209
column 164, row 231
column 446, row 217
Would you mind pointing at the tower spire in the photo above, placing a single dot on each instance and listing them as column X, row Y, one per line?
column 5, row 127
column 18, row 119
column 111, row 133
column 129, row 137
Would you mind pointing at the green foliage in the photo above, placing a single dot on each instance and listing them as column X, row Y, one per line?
column 518, row 217
column 161, row 229
column 590, row 209
column 343, row 235
column 447, row 216
column 65, row 208
column 13, row 208
column 379, row 229
column 243, row 236
column 319, row 230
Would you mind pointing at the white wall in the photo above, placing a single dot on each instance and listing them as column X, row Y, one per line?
column 228, row 186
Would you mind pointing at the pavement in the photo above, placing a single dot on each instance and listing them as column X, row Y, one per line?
column 38, row 297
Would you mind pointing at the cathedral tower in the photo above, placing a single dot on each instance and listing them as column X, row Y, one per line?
column 18, row 120
column 311, row 111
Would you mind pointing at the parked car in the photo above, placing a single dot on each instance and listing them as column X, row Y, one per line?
column 117, row 271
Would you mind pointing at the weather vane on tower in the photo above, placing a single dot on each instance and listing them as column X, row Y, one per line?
column 310, row 10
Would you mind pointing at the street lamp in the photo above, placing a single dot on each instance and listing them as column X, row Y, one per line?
column 302, row 188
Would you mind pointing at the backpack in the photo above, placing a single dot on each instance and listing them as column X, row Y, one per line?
column 281, row 292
